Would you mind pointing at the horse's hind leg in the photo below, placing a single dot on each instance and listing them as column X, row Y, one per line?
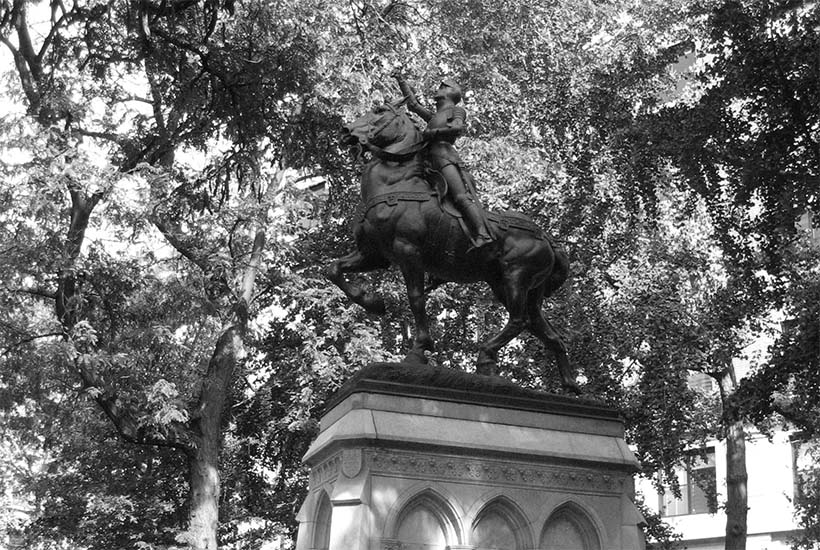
column 542, row 329
column 357, row 262
column 513, row 295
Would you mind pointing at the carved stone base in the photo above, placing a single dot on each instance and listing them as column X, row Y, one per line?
column 462, row 462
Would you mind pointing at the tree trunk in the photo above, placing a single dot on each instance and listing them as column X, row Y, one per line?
column 204, row 460
column 207, row 422
column 736, row 486
column 736, row 476
column 203, row 513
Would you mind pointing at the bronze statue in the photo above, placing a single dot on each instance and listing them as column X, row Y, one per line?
column 405, row 222
column 444, row 126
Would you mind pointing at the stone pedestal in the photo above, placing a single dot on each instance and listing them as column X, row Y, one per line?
column 417, row 458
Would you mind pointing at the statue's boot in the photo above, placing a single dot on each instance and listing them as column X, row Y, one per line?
column 474, row 220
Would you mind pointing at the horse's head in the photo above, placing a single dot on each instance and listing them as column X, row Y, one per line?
column 386, row 131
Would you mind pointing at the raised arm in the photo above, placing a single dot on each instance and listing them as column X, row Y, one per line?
column 412, row 102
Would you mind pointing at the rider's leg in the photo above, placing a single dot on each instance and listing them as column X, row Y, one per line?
column 473, row 215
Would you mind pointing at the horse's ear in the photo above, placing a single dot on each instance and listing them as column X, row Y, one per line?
column 393, row 107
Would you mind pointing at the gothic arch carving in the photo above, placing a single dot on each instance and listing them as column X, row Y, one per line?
column 501, row 523
column 425, row 504
column 570, row 526
column 322, row 520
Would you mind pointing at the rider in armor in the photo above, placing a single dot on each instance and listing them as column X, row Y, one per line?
column 444, row 126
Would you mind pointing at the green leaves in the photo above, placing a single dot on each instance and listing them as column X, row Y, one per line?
column 163, row 399
column 674, row 195
column 748, row 142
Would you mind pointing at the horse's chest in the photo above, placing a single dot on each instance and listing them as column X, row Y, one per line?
column 394, row 215
column 387, row 175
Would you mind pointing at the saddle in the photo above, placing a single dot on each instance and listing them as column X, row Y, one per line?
column 498, row 222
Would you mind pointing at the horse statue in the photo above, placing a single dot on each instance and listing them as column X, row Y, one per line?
column 406, row 221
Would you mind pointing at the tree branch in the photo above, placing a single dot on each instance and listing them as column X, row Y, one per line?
column 25, row 44
column 81, row 208
column 33, row 292
column 171, row 234
column 253, row 266
column 258, row 246
column 108, row 136
column 51, row 34
column 129, row 430
column 169, row 8
column 126, row 427
column 26, row 78
column 24, row 341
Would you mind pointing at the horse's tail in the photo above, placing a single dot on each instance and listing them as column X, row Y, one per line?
column 560, row 269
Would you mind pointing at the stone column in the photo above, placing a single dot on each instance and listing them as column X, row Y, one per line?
column 351, row 527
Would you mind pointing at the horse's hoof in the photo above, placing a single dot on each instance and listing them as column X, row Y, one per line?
column 571, row 387
column 416, row 357
column 485, row 370
column 485, row 365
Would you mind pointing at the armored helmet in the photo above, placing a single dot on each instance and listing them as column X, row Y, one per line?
column 455, row 95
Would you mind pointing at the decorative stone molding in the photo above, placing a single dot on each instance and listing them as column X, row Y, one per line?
column 391, row 544
column 325, row 471
column 495, row 472
column 352, row 462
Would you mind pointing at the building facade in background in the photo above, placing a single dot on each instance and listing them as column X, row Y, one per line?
column 772, row 465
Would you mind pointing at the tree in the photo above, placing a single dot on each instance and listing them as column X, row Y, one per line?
column 565, row 102
column 744, row 136
column 807, row 499
column 207, row 70
column 750, row 136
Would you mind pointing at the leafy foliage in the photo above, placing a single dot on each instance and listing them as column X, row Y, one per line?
column 177, row 126
column 807, row 502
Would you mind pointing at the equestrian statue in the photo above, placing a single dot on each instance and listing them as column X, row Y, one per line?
column 419, row 211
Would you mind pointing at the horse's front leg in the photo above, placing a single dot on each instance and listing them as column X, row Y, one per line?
column 422, row 342
column 357, row 262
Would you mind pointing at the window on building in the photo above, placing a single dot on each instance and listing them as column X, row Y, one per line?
column 804, row 460
column 701, row 382
column 698, row 487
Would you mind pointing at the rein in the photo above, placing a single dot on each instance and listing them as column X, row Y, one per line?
column 400, row 156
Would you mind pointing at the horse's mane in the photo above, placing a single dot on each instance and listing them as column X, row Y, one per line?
column 405, row 142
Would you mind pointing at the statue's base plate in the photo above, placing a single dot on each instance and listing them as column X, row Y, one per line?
column 424, row 458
